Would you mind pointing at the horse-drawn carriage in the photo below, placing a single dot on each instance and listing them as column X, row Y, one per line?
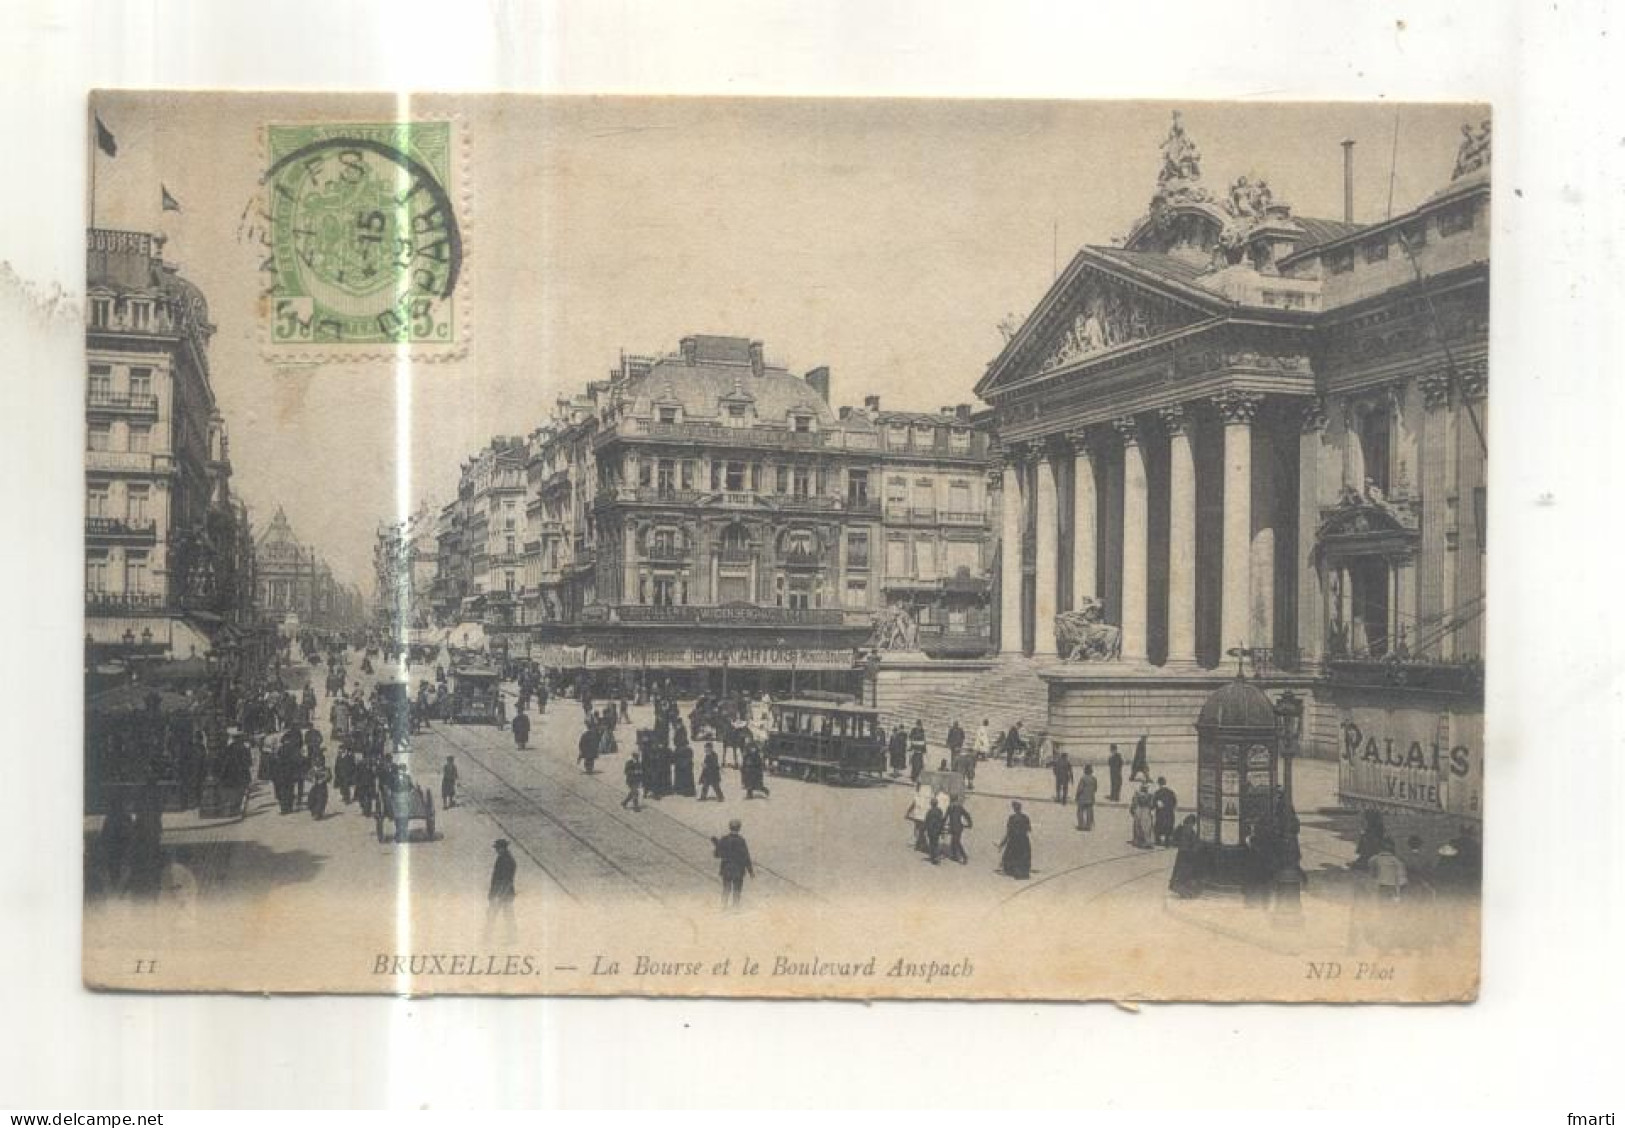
column 829, row 741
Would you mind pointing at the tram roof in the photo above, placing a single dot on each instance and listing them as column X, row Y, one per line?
column 826, row 706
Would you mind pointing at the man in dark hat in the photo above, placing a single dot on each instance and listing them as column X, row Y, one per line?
column 448, row 784
column 1114, row 768
column 733, row 863
column 521, row 730
column 499, row 901
column 587, row 749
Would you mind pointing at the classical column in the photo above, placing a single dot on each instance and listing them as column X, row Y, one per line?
column 1311, row 600
column 629, row 559
column 1010, row 558
column 1084, row 502
column 1237, row 409
column 1136, row 527
column 1181, row 539
column 1046, row 550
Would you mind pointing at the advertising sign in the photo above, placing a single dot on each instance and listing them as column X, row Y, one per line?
column 1413, row 759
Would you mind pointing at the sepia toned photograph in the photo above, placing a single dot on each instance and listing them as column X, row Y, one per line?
column 785, row 548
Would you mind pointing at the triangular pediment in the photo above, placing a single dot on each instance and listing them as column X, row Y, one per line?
column 1109, row 300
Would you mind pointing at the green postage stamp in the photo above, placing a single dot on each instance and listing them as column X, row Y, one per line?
column 366, row 243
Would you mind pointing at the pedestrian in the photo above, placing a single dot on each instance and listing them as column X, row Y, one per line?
column 366, row 785
column 1088, row 787
column 710, row 774
column 634, row 782
column 897, row 751
column 1062, row 767
column 959, row 821
column 626, row 709
column 1166, row 805
column 318, row 790
column 448, row 784
column 984, row 740
column 956, row 740
column 1388, row 875
column 1141, row 770
column 1372, row 836
column 1186, row 880
column 1142, row 809
column 500, row 899
column 587, row 750
column 1012, row 745
column 934, row 820
column 1016, row 859
column 521, row 730
column 1114, row 767
column 750, row 774
column 734, row 861
column 916, row 764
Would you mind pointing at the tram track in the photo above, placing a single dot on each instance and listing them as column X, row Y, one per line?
column 481, row 756
column 472, row 754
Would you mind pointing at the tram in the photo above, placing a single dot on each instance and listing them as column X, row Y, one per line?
column 828, row 741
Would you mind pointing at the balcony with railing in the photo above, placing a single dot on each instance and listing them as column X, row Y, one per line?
column 666, row 552
column 965, row 518
column 130, row 529
column 119, row 460
column 104, row 603
column 719, row 435
column 100, row 401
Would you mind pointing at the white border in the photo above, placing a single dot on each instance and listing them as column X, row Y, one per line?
column 1541, row 1034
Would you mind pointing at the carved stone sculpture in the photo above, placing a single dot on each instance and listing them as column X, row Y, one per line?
column 1083, row 635
column 894, row 629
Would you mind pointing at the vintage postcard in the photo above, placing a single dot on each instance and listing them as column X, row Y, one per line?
column 861, row 549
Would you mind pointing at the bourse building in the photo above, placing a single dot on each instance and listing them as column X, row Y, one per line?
column 1242, row 429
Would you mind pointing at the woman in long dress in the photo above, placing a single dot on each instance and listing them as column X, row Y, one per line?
column 1017, row 858
column 1143, row 810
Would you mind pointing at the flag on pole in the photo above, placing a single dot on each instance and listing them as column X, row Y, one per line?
column 105, row 141
column 170, row 202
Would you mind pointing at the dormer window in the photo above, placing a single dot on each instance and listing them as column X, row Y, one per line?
column 667, row 415
column 801, row 424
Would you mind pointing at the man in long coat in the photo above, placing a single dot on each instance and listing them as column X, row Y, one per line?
column 734, row 863
column 500, row 898
column 1166, row 804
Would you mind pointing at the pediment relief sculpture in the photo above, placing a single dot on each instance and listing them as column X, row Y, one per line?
column 1104, row 320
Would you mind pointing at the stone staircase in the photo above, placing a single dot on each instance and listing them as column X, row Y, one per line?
column 1008, row 692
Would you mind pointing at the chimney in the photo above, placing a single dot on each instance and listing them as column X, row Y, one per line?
column 946, row 411
column 818, row 381
column 871, row 404
column 962, row 413
column 757, row 364
column 844, row 413
column 1348, row 181
column 691, row 351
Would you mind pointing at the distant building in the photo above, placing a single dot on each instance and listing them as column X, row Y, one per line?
column 168, row 569
column 404, row 560
column 297, row 588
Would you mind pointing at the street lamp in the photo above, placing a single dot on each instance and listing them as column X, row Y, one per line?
column 1289, row 876
column 1289, row 714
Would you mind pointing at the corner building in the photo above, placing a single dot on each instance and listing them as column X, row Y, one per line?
column 732, row 526
column 1244, row 428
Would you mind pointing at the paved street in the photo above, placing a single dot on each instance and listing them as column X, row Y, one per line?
column 576, row 845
